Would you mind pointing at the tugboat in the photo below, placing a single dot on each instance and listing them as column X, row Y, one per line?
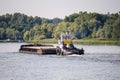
column 66, row 46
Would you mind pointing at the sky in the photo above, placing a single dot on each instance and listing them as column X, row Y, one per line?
column 58, row 8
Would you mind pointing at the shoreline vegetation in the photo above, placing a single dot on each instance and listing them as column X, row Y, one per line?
column 85, row 27
column 81, row 41
column 76, row 41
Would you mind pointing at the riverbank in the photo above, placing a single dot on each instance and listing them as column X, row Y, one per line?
column 82, row 41
column 6, row 41
column 97, row 42
column 76, row 41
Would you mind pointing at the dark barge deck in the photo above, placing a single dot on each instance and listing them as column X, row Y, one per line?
column 38, row 49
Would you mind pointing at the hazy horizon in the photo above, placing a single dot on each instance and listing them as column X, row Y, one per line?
column 57, row 8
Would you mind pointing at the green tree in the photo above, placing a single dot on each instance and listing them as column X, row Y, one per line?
column 116, row 29
column 60, row 28
column 26, row 36
column 94, row 32
column 10, row 33
column 100, row 33
column 17, row 35
column 2, row 34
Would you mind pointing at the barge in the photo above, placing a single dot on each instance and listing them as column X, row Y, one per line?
column 38, row 49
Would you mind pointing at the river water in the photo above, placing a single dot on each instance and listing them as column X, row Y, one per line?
column 100, row 62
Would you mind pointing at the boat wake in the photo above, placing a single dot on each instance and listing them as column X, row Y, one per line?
column 74, row 55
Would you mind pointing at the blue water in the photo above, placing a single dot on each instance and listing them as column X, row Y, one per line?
column 99, row 63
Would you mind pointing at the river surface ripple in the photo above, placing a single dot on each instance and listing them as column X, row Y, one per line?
column 100, row 62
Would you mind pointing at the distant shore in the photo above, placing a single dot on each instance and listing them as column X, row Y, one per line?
column 76, row 41
column 1, row 41
column 97, row 42
column 82, row 41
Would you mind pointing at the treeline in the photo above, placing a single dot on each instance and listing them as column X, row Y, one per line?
column 15, row 26
column 82, row 25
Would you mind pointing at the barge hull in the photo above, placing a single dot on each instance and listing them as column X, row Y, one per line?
column 38, row 49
